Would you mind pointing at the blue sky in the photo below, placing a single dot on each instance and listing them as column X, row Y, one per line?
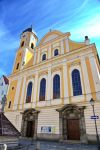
column 80, row 17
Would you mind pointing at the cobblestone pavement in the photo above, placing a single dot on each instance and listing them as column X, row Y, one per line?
column 56, row 146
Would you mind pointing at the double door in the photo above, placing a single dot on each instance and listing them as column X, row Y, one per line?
column 73, row 129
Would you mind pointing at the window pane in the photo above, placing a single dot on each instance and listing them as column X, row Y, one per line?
column 76, row 83
column 56, row 87
column 29, row 92
column 42, row 90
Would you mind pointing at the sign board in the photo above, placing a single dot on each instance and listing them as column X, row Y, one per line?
column 47, row 129
column 94, row 117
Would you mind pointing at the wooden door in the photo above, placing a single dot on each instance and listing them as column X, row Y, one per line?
column 73, row 130
column 30, row 128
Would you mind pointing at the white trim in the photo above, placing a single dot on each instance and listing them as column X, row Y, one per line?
column 35, row 90
column 22, row 93
column 17, row 94
column 49, row 84
column 62, row 47
column 38, row 59
column 35, row 54
column 67, row 44
column 49, row 52
column 65, row 78
column 86, row 78
column 96, row 76
column 79, row 97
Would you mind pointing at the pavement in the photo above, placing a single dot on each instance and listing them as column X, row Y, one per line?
column 45, row 145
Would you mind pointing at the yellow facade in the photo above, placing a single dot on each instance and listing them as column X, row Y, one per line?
column 33, row 68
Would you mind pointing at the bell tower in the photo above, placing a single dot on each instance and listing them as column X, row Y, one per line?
column 28, row 38
column 25, row 53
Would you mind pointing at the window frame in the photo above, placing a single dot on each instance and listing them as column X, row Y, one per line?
column 76, row 82
column 42, row 90
column 56, row 92
column 29, row 93
column 43, row 56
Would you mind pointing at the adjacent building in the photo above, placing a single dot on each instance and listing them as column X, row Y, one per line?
column 51, row 85
column 4, row 83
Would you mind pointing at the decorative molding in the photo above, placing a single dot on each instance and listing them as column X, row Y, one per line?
column 59, row 68
column 45, row 72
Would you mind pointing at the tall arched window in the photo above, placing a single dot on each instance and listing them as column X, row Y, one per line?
column 43, row 57
column 32, row 45
column 55, row 52
column 22, row 44
column 42, row 89
column 56, row 86
column 76, row 82
column 29, row 93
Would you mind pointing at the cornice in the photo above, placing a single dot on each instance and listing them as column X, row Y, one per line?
column 54, row 60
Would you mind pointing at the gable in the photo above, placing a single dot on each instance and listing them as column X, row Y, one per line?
column 50, row 36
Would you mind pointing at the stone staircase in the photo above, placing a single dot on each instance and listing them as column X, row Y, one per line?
column 6, row 127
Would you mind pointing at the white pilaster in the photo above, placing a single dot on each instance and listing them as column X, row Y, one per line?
column 66, row 99
column 86, row 79
column 62, row 47
column 49, row 52
column 96, row 76
column 38, row 59
column 35, row 54
column 67, row 44
column 17, row 93
column 49, row 85
column 35, row 90
column 23, row 91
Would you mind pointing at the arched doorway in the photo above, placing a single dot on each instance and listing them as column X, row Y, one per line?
column 29, row 123
column 72, row 123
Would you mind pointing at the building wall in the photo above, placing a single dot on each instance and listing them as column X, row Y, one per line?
column 71, row 56
column 3, row 88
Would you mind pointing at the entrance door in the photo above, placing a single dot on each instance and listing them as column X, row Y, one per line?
column 30, row 128
column 73, row 129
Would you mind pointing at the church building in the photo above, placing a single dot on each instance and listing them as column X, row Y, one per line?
column 51, row 86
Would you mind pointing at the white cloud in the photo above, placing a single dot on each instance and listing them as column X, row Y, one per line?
column 90, row 28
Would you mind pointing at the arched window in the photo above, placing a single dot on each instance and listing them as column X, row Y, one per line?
column 43, row 57
column 29, row 93
column 9, row 104
column 42, row 89
column 32, row 45
column 56, row 86
column 17, row 66
column 55, row 52
column 76, row 82
column 22, row 44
